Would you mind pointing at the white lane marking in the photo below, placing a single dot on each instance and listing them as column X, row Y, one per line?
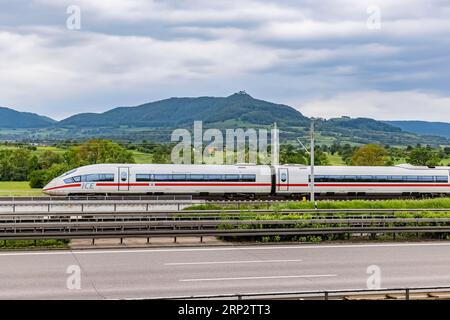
column 262, row 277
column 299, row 247
column 227, row 262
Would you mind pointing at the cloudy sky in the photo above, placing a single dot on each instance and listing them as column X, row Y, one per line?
column 381, row 59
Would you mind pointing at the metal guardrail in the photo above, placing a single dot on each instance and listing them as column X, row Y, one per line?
column 432, row 292
column 116, row 204
column 89, row 204
column 367, row 213
column 68, row 225
column 99, row 197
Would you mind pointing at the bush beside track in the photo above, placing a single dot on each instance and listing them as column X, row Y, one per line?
column 437, row 203
column 30, row 244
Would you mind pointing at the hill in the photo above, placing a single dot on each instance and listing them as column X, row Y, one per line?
column 423, row 127
column 239, row 109
column 10, row 119
column 155, row 121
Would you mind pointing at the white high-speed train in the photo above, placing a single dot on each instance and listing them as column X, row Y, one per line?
column 249, row 180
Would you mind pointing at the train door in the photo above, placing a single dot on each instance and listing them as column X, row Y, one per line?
column 124, row 179
column 283, row 179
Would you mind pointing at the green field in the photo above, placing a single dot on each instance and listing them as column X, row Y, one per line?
column 335, row 159
column 141, row 157
column 18, row 188
column 39, row 150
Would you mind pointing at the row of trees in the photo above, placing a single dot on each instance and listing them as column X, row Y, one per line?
column 376, row 155
column 19, row 164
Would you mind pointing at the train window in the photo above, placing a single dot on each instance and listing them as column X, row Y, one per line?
column 252, row 177
column 90, row 177
column 367, row 178
column 318, row 179
column 143, row 177
column 68, row 180
column 214, row 177
column 178, row 177
column 232, row 177
column 68, row 172
column 197, row 177
column 106, row 177
column 162, row 177
column 94, row 177
column 283, row 177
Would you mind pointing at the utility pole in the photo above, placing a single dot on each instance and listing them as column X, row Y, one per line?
column 312, row 198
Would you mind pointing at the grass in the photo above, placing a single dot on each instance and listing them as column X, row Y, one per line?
column 17, row 244
column 18, row 188
column 335, row 159
column 39, row 150
column 141, row 157
column 371, row 204
column 436, row 203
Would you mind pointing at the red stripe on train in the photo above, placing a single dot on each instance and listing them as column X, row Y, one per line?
column 293, row 185
column 73, row 185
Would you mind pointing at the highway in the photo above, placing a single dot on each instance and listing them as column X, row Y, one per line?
column 181, row 271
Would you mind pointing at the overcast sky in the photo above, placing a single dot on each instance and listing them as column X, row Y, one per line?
column 325, row 58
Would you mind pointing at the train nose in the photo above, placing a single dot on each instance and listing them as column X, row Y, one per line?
column 49, row 188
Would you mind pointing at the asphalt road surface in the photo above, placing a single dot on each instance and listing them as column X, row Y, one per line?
column 169, row 272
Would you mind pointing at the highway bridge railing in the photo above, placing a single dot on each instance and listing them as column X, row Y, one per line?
column 405, row 293
column 72, row 225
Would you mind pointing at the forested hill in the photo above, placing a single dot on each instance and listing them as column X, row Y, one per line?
column 154, row 121
column 238, row 109
column 423, row 127
column 13, row 119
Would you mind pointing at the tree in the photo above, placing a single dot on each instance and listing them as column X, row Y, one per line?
column 291, row 154
column 421, row 156
column 370, row 155
column 346, row 152
column 15, row 164
column 37, row 178
column 49, row 158
column 161, row 153
column 97, row 151
column 90, row 152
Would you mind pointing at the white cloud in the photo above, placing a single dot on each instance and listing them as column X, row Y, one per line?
column 85, row 62
column 134, row 51
column 399, row 105
column 184, row 11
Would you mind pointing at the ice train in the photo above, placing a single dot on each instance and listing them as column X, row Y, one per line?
column 249, row 180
